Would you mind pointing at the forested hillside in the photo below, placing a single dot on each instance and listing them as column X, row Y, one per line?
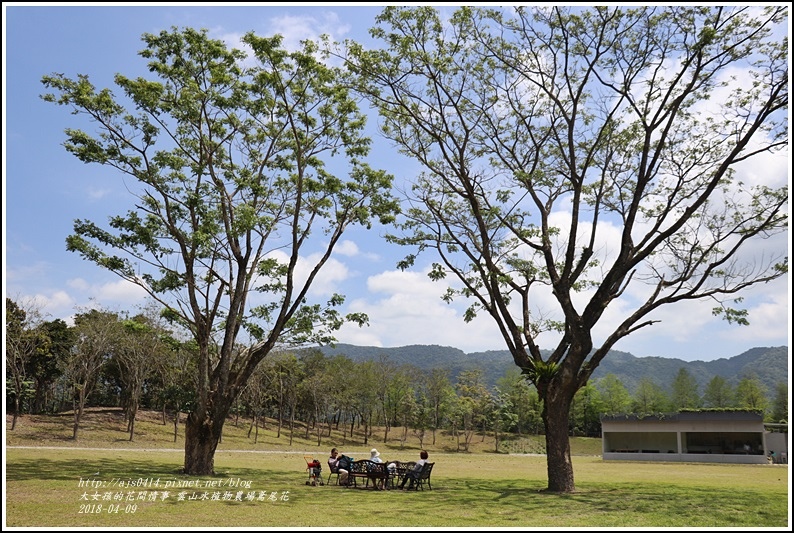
column 769, row 364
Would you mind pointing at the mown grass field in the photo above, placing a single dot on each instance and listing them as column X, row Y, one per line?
column 54, row 482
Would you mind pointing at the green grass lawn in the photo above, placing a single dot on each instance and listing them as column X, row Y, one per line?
column 65, row 488
column 52, row 481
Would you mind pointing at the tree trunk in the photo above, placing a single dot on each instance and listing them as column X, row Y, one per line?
column 558, row 445
column 176, row 422
column 78, row 412
column 131, row 422
column 16, row 411
column 39, row 396
column 468, row 435
column 201, row 439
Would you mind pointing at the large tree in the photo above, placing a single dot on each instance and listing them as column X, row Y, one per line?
column 584, row 160
column 247, row 172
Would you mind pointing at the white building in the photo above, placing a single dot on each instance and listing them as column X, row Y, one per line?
column 692, row 436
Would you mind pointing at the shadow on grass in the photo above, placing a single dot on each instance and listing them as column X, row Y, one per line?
column 454, row 500
column 130, row 467
column 66, row 470
column 615, row 504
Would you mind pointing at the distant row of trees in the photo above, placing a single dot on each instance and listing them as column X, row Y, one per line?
column 113, row 359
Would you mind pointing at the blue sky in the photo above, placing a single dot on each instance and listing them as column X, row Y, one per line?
column 45, row 189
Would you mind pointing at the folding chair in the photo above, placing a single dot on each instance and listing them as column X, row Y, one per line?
column 332, row 473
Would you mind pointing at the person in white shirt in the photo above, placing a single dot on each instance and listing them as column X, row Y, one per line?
column 413, row 474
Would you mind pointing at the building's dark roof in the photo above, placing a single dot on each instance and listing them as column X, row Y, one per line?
column 754, row 416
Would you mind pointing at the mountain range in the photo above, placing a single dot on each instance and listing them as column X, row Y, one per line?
column 769, row 364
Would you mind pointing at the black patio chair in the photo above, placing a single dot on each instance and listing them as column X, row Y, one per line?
column 424, row 477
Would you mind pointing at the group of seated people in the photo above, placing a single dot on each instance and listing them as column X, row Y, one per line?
column 338, row 462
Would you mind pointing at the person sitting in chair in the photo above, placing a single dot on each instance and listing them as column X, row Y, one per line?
column 414, row 474
column 336, row 468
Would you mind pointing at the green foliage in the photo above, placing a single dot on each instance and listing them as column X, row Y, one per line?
column 751, row 394
column 770, row 364
column 685, row 391
column 240, row 166
column 537, row 127
column 780, row 408
column 650, row 398
column 540, row 371
column 228, row 172
column 718, row 393
column 614, row 395
column 27, row 344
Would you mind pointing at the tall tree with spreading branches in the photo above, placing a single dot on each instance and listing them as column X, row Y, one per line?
column 582, row 164
column 247, row 172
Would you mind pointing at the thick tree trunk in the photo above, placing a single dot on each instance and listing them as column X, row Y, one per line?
column 202, row 435
column 556, row 409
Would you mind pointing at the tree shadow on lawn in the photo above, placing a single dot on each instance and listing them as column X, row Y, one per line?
column 100, row 468
column 129, row 468
column 707, row 506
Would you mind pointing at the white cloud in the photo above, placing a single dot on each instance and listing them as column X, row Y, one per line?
column 78, row 284
column 25, row 273
column 57, row 304
column 406, row 308
column 120, row 291
column 347, row 248
column 297, row 28
column 293, row 29
column 97, row 194
column 769, row 318
column 328, row 278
